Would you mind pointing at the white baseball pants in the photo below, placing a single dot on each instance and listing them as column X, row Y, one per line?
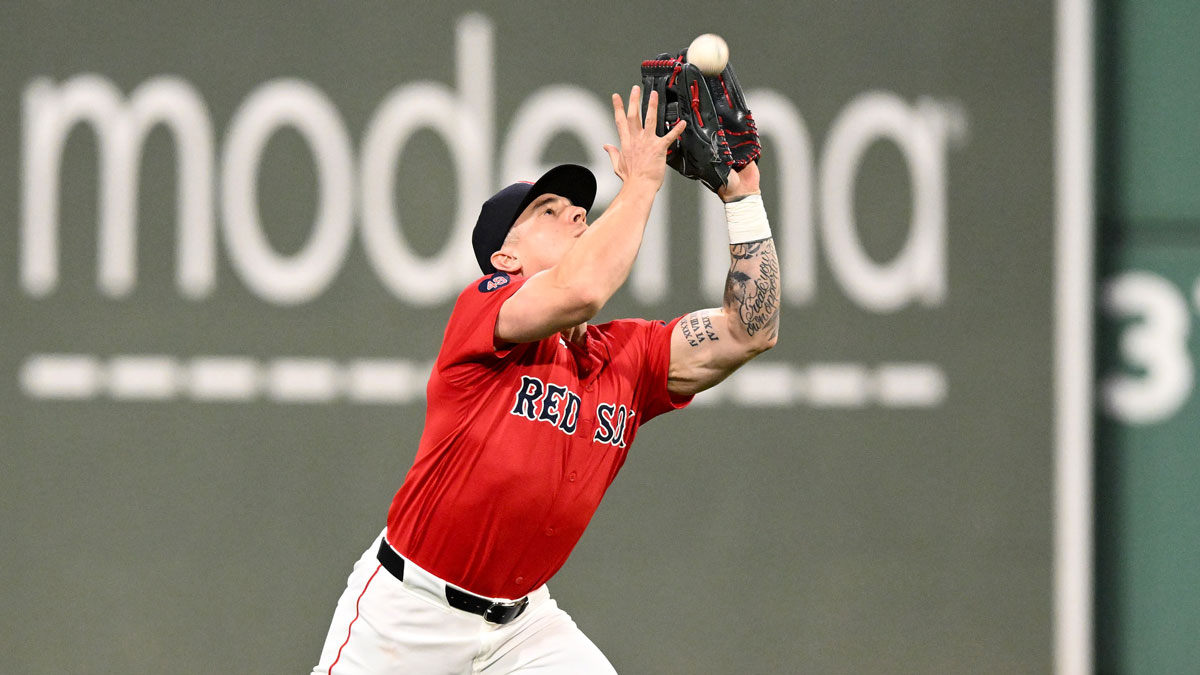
column 383, row 625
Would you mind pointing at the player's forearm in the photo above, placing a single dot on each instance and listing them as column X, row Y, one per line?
column 752, row 286
column 600, row 261
column 752, row 294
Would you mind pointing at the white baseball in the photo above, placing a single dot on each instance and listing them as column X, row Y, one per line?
column 709, row 53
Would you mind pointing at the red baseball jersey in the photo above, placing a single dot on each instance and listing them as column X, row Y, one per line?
column 521, row 441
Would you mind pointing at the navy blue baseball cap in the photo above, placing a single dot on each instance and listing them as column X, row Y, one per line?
column 499, row 213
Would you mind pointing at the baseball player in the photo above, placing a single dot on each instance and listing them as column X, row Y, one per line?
column 531, row 412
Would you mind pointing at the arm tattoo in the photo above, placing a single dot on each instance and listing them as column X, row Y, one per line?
column 752, row 287
column 697, row 328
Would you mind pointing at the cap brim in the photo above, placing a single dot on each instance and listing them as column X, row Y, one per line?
column 572, row 181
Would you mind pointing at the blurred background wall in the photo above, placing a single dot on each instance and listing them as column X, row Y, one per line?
column 1148, row 442
column 230, row 234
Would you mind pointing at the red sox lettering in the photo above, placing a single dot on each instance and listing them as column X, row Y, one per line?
column 559, row 406
column 553, row 403
column 614, row 420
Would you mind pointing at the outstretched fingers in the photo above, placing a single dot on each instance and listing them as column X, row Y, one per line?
column 642, row 150
column 650, row 124
column 651, row 121
column 674, row 133
column 614, row 155
column 633, row 115
column 619, row 118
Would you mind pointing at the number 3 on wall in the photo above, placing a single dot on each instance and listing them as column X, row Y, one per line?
column 1156, row 343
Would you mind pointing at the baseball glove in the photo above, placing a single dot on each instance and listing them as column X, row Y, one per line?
column 741, row 132
column 716, row 113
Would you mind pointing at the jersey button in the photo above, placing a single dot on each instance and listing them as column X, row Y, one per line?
column 549, row 531
column 589, row 387
column 571, row 477
column 519, row 580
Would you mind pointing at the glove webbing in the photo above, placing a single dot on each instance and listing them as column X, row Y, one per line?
column 751, row 125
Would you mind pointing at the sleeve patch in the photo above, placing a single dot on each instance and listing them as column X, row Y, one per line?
column 496, row 280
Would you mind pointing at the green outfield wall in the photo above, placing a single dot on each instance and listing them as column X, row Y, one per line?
column 231, row 233
column 1148, row 446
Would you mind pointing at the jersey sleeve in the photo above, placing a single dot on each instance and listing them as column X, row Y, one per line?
column 655, row 399
column 471, row 331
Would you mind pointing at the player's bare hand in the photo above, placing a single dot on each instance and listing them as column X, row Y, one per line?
column 643, row 154
column 740, row 184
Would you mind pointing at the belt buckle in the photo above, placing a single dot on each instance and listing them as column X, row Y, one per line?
column 501, row 613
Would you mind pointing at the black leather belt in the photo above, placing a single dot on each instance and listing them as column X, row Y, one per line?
column 493, row 612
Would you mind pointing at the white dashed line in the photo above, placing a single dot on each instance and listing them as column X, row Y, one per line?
column 303, row 380
column 61, row 376
column 383, row 381
column 142, row 377
column 223, row 378
column 294, row 380
column 763, row 385
column 911, row 385
column 838, row 385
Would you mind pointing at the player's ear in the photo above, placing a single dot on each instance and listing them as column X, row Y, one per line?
column 505, row 260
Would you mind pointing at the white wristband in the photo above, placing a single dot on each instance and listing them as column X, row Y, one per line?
column 747, row 220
